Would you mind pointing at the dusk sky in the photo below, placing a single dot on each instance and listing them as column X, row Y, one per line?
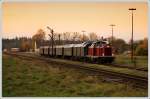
column 24, row 19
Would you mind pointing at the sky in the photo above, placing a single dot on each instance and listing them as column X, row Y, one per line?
column 24, row 19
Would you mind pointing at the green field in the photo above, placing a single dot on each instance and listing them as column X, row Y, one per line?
column 37, row 78
column 141, row 61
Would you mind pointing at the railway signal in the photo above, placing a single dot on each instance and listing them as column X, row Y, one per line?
column 51, row 36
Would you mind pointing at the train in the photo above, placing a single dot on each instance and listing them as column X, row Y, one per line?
column 90, row 51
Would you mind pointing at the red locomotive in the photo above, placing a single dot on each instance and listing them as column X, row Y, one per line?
column 98, row 51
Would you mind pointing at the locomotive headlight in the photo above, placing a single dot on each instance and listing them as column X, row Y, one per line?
column 103, row 54
column 108, row 46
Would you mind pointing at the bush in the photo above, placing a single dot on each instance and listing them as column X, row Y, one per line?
column 141, row 51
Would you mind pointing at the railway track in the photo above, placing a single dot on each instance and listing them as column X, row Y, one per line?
column 113, row 65
column 138, row 81
column 125, row 66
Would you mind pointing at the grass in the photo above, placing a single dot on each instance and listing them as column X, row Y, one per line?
column 107, row 68
column 141, row 61
column 37, row 78
column 120, row 59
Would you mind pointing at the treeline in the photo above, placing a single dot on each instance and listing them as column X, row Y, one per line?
column 23, row 43
column 140, row 46
column 27, row 44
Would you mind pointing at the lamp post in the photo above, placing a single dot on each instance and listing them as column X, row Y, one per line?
column 112, row 25
column 51, row 36
column 132, row 51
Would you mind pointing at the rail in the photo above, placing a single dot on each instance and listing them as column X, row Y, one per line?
column 138, row 81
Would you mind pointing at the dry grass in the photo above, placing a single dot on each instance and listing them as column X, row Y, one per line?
column 37, row 78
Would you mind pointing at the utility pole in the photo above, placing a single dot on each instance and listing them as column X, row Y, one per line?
column 112, row 25
column 52, row 37
column 59, row 38
column 132, row 50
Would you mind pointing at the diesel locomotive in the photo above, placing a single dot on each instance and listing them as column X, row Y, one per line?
column 90, row 51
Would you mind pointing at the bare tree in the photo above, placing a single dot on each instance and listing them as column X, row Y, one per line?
column 84, row 38
column 93, row 36
column 75, row 36
column 57, row 37
column 66, row 36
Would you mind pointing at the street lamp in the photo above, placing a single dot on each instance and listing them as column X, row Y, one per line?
column 132, row 9
column 51, row 36
column 112, row 25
